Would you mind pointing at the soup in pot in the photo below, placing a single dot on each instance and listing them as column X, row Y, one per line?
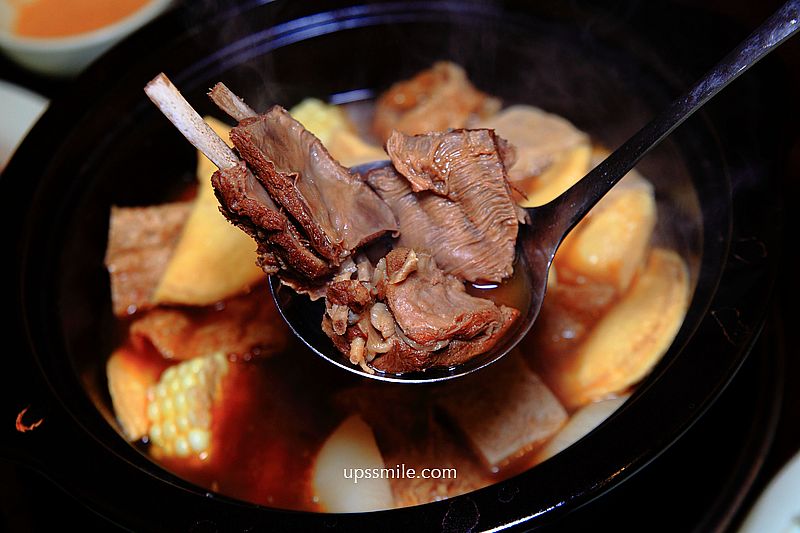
column 210, row 383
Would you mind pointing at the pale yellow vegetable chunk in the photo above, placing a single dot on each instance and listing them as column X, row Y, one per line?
column 128, row 380
column 579, row 425
column 567, row 168
column 625, row 344
column 610, row 245
column 321, row 119
column 332, row 127
column 631, row 180
column 539, row 137
column 349, row 150
column 339, row 477
column 213, row 259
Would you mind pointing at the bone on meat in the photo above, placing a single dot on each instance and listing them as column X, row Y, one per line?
column 171, row 102
column 230, row 103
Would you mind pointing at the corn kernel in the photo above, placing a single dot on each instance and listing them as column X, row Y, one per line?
column 153, row 411
column 170, row 430
column 189, row 381
column 166, row 406
column 181, row 447
column 199, row 440
column 169, row 374
column 180, row 402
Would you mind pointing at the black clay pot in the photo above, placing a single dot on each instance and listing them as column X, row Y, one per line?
column 104, row 143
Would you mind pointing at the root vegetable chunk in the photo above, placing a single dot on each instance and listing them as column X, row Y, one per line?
column 350, row 447
column 626, row 343
column 565, row 170
column 610, row 246
column 506, row 413
column 580, row 424
column 540, row 139
column 129, row 378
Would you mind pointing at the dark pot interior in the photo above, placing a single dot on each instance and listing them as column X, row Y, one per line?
column 107, row 145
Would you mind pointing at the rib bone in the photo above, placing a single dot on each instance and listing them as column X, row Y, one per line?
column 231, row 104
column 175, row 107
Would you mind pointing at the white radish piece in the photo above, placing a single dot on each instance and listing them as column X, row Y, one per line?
column 339, row 478
column 579, row 425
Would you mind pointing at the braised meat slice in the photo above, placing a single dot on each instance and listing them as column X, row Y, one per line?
column 406, row 315
column 452, row 199
column 431, row 307
column 140, row 243
column 310, row 218
column 336, row 211
column 434, row 100
column 245, row 202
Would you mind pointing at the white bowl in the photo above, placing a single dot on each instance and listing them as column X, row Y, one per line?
column 778, row 508
column 19, row 108
column 67, row 56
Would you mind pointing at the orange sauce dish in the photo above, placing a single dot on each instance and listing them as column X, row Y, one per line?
column 63, row 18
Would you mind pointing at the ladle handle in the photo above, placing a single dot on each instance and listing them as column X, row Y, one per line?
column 569, row 208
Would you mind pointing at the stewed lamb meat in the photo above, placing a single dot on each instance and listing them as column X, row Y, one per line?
column 405, row 314
column 281, row 247
column 451, row 197
column 436, row 99
column 336, row 210
column 311, row 219
column 243, row 199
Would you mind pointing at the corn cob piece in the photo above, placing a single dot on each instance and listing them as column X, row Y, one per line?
column 179, row 406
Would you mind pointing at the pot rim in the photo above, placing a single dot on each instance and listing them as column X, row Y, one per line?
column 716, row 317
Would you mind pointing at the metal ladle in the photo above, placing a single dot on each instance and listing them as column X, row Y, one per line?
column 549, row 224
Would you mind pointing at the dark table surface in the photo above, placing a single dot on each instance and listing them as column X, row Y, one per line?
column 709, row 479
